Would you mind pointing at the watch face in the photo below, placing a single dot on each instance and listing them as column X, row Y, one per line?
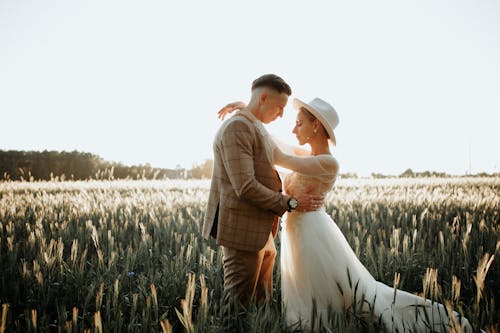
column 293, row 203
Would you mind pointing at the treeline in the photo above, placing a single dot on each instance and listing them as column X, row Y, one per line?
column 54, row 165
column 409, row 173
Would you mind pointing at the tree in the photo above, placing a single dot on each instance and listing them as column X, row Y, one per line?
column 407, row 173
column 203, row 170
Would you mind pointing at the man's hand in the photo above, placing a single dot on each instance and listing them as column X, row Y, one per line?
column 309, row 202
column 230, row 108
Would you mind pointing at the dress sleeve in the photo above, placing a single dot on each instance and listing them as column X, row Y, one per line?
column 321, row 165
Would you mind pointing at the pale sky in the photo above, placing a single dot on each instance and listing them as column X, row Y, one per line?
column 416, row 83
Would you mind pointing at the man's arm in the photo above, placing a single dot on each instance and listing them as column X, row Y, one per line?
column 238, row 158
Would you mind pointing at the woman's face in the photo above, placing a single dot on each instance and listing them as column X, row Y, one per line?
column 304, row 128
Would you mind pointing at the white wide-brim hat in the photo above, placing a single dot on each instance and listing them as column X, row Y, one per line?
column 324, row 112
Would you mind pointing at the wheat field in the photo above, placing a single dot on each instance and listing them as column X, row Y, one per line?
column 127, row 256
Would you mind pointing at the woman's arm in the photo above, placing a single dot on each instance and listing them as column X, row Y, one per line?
column 230, row 108
column 309, row 165
column 301, row 151
column 289, row 149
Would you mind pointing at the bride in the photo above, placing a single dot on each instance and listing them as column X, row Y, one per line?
column 319, row 269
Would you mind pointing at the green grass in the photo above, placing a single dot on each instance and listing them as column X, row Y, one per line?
column 127, row 256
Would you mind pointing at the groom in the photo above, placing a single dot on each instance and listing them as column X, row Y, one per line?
column 245, row 200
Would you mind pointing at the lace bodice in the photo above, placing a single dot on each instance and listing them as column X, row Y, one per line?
column 312, row 174
column 300, row 183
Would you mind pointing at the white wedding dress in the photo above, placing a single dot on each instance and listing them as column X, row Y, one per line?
column 317, row 263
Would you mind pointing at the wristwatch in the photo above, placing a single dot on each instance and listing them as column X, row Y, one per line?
column 292, row 204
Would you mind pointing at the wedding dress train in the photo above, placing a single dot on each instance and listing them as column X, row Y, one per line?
column 318, row 265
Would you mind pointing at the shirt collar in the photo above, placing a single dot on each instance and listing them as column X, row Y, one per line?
column 249, row 115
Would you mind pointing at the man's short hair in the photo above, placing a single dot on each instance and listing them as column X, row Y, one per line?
column 274, row 82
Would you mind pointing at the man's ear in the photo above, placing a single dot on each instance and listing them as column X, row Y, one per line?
column 262, row 98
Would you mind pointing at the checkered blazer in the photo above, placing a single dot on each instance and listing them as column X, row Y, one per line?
column 245, row 199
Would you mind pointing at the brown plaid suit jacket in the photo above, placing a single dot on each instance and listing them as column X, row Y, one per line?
column 245, row 199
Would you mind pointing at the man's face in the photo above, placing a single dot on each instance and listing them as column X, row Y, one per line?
column 273, row 106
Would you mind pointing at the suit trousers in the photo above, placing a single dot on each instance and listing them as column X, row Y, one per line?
column 249, row 275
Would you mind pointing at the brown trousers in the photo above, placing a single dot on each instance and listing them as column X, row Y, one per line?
column 249, row 275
